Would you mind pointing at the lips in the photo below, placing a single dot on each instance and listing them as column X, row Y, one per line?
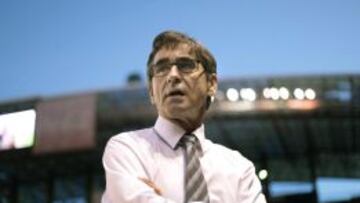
column 175, row 93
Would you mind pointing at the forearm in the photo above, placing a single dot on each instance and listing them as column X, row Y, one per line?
column 123, row 170
column 131, row 190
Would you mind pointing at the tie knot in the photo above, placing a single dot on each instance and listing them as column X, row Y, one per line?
column 188, row 139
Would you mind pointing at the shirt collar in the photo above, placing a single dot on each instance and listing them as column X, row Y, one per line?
column 172, row 133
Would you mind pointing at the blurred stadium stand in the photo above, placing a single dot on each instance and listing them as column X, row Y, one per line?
column 295, row 129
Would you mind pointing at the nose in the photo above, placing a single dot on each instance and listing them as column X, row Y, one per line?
column 174, row 74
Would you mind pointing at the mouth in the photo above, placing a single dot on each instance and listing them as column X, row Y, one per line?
column 175, row 93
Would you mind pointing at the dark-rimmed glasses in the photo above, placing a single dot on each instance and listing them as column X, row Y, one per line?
column 185, row 65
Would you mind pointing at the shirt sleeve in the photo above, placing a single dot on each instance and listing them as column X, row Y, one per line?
column 123, row 167
column 249, row 187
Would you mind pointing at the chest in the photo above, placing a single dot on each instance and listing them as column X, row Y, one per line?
column 168, row 174
column 221, row 178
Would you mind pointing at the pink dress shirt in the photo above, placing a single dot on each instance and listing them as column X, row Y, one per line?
column 151, row 153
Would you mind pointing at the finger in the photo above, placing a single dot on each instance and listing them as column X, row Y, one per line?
column 152, row 185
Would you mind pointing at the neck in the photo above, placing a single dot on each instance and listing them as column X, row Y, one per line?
column 187, row 125
column 189, row 120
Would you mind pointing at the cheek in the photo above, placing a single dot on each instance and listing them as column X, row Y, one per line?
column 157, row 91
column 199, row 91
column 156, row 94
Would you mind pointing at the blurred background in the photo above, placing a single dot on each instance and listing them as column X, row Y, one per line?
column 73, row 73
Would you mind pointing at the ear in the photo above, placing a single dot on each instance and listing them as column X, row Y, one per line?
column 212, row 84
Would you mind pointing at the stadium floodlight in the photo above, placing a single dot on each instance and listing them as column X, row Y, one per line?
column 274, row 92
column 263, row 174
column 299, row 94
column 232, row 94
column 248, row 94
column 284, row 93
column 267, row 93
column 310, row 94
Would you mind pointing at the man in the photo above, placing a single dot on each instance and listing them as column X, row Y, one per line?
column 173, row 161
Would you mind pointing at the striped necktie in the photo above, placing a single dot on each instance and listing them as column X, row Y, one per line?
column 195, row 184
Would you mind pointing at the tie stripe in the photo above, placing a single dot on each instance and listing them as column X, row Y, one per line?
column 195, row 185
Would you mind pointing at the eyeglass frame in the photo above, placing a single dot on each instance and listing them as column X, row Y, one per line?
column 170, row 63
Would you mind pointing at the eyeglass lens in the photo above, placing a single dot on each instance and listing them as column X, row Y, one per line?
column 184, row 65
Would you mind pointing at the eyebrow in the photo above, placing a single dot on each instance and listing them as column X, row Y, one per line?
column 165, row 60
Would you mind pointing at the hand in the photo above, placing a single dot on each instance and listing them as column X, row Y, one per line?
column 152, row 185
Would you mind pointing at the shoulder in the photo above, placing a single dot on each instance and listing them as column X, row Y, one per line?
column 131, row 136
column 128, row 152
column 131, row 139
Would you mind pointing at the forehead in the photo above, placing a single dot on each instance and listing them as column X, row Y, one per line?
column 181, row 50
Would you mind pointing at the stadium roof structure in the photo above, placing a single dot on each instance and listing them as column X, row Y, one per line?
column 297, row 128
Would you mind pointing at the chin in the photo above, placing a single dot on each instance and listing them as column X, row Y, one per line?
column 176, row 111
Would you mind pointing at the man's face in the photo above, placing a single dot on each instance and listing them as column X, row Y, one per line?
column 179, row 93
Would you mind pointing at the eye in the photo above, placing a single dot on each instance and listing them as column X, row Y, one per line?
column 161, row 67
column 186, row 65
